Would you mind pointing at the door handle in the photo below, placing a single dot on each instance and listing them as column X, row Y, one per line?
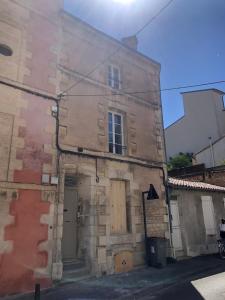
column 65, row 210
column 80, row 217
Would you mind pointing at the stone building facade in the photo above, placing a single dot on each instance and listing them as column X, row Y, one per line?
column 197, row 209
column 73, row 166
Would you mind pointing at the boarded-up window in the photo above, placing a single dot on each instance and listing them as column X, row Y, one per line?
column 118, row 207
column 208, row 215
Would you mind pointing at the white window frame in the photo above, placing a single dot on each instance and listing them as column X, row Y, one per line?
column 112, row 80
column 113, row 131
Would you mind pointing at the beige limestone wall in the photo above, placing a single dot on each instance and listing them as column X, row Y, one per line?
column 91, row 46
column 99, row 244
column 84, row 123
column 88, row 115
column 26, row 27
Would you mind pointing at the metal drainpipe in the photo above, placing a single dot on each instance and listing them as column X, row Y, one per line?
column 212, row 152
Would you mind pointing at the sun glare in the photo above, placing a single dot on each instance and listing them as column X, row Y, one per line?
column 124, row 1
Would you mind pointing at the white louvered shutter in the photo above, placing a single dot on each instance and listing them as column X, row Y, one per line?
column 208, row 215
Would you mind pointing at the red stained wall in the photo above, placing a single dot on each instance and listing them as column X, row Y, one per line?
column 35, row 136
column 17, row 268
column 40, row 32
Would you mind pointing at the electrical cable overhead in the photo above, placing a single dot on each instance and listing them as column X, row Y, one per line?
column 154, row 17
column 121, row 46
column 148, row 91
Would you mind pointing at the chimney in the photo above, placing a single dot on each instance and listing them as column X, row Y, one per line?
column 131, row 42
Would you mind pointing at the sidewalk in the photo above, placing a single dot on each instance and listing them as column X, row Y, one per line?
column 144, row 283
column 212, row 287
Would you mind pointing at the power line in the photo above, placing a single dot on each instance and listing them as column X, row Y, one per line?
column 28, row 90
column 154, row 17
column 148, row 91
column 117, row 49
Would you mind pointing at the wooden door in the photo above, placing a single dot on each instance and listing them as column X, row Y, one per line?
column 123, row 262
column 118, row 207
column 70, row 225
column 176, row 230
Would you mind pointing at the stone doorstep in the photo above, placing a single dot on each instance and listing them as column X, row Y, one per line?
column 75, row 273
column 75, row 270
column 73, row 265
column 184, row 257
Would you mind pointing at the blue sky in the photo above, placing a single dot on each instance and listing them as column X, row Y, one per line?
column 188, row 39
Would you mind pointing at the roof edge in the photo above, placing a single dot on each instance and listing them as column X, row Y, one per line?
column 207, row 147
column 194, row 185
column 75, row 18
column 204, row 90
column 174, row 123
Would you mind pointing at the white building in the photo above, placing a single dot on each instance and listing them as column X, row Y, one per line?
column 213, row 155
column 204, row 118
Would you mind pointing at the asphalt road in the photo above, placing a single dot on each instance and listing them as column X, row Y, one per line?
column 172, row 282
column 184, row 291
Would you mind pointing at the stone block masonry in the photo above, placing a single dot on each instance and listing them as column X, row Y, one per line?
column 32, row 154
column 99, row 245
column 51, row 51
column 27, row 145
column 25, row 233
column 26, row 212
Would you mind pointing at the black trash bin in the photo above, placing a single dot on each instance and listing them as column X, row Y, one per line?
column 156, row 251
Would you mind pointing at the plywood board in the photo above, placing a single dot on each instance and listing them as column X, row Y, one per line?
column 118, row 207
column 123, row 261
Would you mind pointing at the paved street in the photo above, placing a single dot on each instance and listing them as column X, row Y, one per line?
column 211, row 287
column 172, row 282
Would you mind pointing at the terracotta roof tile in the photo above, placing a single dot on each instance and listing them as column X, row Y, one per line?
column 194, row 185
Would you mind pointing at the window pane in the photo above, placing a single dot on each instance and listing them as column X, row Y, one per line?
column 115, row 137
column 110, row 127
column 116, row 78
column 110, row 81
column 111, row 138
column 110, row 117
column 118, row 149
column 109, row 72
column 116, row 74
column 116, row 85
column 118, row 139
column 117, row 119
column 117, row 129
column 110, row 148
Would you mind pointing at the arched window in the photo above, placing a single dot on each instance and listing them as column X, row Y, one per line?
column 5, row 50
